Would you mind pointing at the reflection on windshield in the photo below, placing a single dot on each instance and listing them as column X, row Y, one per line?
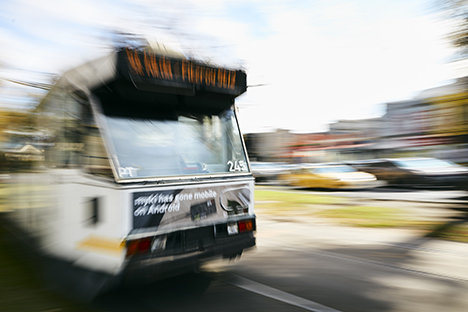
column 424, row 163
column 334, row 169
column 188, row 145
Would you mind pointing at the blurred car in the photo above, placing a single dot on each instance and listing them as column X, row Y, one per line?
column 416, row 171
column 330, row 176
column 266, row 171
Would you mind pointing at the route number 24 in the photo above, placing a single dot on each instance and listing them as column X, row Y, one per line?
column 237, row 165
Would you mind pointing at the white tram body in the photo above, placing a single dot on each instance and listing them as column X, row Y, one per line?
column 144, row 171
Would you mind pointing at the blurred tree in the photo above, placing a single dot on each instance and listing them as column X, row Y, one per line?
column 457, row 11
column 11, row 120
column 14, row 119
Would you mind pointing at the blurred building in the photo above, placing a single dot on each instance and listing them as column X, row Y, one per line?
column 433, row 124
column 363, row 133
column 269, row 146
column 404, row 128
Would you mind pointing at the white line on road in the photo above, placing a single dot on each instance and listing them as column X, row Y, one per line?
column 272, row 293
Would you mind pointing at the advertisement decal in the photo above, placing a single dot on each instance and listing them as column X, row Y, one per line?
column 183, row 206
column 150, row 207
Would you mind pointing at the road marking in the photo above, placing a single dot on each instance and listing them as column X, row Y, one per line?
column 272, row 293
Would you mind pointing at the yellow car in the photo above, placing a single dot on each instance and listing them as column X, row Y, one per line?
column 330, row 176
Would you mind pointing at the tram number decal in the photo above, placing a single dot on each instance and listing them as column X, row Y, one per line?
column 237, row 165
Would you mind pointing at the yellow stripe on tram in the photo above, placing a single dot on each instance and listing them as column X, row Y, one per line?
column 101, row 244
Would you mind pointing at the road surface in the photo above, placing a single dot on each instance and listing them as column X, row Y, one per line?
column 300, row 264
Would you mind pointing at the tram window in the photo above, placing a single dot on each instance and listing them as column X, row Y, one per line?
column 75, row 139
column 60, row 115
column 95, row 156
column 193, row 144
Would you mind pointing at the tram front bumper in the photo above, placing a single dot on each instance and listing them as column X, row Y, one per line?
column 185, row 255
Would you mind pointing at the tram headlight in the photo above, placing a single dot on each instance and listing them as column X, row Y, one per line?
column 232, row 228
column 159, row 243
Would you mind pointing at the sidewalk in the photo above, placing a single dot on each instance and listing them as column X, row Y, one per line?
column 401, row 248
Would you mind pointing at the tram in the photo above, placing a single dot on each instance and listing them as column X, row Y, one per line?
column 144, row 173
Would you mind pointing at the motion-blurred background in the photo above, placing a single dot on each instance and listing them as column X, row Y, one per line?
column 328, row 81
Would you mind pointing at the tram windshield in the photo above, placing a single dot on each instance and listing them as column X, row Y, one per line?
column 185, row 144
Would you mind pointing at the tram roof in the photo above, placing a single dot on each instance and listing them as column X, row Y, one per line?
column 147, row 71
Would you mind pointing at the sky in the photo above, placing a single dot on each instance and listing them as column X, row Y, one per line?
column 308, row 63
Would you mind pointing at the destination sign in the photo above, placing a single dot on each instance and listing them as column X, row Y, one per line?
column 155, row 68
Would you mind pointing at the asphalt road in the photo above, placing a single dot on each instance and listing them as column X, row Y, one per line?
column 303, row 264
column 306, row 265
column 350, row 269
